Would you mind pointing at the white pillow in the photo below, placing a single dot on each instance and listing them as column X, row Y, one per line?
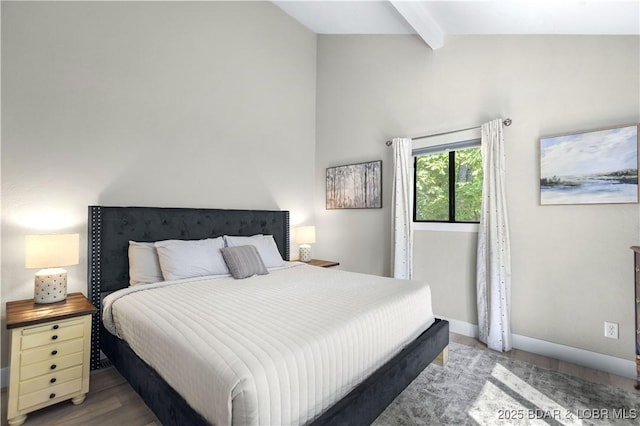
column 144, row 267
column 265, row 244
column 185, row 259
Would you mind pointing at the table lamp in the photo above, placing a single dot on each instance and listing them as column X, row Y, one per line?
column 305, row 235
column 50, row 252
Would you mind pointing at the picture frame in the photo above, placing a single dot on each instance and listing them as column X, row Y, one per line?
column 591, row 167
column 354, row 186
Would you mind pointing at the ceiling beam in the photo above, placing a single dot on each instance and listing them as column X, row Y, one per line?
column 417, row 15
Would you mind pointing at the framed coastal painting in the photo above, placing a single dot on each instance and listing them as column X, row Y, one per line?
column 594, row 167
column 355, row 186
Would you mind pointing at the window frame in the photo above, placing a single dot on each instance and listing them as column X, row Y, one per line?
column 451, row 148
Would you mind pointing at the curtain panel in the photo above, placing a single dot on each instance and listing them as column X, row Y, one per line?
column 402, row 209
column 493, row 272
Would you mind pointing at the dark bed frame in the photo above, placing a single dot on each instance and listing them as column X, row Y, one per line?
column 111, row 228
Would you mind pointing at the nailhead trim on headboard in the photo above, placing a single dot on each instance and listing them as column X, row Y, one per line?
column 110, row 229
column 95, row 228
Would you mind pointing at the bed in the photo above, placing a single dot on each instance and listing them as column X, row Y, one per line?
column 366, row 394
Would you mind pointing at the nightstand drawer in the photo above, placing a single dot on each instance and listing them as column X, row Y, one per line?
column 52, row 394
column 44, row 367
column 57, row 325
column 49, row 381
column 50, row 335
column 51, row 352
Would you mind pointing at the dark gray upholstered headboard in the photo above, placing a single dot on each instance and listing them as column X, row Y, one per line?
column 111, row 229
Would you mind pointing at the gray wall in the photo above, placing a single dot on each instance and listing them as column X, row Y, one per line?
column 572, row 267
column 193, row 104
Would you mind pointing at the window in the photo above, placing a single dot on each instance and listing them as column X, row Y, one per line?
column 448, row 183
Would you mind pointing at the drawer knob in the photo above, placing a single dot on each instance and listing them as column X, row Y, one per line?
column 54, row 337
column 51, row 396
column 55, row 327
column 53, row 380
column 54, row 352
column 53, row 366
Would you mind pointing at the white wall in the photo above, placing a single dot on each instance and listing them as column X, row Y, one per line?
column 205, row 104
column 572, row 267
column 194, row 104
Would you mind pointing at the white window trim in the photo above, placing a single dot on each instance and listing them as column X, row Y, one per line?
column 452, row 137
column 445, row 227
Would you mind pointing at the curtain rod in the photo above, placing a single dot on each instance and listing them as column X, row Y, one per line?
column 507, row 122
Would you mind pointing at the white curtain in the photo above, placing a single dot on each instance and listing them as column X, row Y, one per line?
column 402, row 199
column 493, row 279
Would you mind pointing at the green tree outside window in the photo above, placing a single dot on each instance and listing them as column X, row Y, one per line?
column 436, row 174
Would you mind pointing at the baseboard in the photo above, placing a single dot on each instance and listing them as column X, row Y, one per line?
column 461, row 327
column 595, row 360
column 4, row 377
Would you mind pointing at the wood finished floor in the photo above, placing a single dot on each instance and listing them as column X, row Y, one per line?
column 111, row 401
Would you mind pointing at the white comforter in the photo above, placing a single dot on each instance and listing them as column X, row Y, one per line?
column 273, row 349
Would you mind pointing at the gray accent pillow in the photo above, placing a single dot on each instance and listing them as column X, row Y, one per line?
column 244, row 261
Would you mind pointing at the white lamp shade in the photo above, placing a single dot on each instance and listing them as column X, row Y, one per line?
column 51, row 250
column 305, row 234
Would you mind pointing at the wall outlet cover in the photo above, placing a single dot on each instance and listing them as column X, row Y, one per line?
column 611, row 330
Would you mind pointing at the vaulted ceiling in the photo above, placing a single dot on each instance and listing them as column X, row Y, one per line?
column 434, row 20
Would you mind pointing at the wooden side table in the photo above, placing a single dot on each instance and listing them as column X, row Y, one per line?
column 49, row 352
column 322, row 263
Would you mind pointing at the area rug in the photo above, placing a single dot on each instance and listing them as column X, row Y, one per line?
column 479, row 387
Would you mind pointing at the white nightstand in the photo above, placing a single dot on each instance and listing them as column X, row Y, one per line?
column 50, row 352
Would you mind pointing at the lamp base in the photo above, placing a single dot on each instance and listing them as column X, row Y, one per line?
column 50, row 286
column 305, row 253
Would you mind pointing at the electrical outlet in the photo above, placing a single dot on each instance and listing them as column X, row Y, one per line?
column 611, row 330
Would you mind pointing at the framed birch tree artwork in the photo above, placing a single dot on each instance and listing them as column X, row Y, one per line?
column 595, row 167
column 355, row 186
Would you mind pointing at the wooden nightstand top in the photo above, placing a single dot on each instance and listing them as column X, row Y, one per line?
column 322, row 263
column 21, row 313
